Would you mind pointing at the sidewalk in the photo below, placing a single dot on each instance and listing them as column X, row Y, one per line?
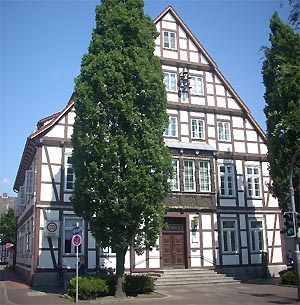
column 13, row 291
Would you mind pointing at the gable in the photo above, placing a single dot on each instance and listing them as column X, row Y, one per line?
column 190, row 54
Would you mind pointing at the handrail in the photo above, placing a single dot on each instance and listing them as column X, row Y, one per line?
column 204, row 258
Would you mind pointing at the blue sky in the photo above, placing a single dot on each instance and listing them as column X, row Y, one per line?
column 42, row 43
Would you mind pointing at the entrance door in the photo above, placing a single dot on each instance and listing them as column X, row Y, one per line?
column 173, row 244
column 173, row 250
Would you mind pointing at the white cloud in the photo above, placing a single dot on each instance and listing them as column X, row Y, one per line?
column 5, row 181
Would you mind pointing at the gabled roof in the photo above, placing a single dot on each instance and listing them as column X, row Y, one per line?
column 213, row 65
column 33, row 140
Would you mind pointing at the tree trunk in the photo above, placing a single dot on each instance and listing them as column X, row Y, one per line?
column 120, row 287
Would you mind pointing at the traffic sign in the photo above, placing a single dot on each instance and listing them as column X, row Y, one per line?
column 51, row 227
column 76, row 240
column 76, row 230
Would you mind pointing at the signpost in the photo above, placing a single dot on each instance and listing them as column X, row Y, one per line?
column 76, row 241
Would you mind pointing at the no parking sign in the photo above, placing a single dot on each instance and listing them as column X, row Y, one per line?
column 76, row 240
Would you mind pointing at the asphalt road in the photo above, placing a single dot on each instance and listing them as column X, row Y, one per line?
column 13, row 291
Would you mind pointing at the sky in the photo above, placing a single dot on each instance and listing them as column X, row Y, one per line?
column 42, row 43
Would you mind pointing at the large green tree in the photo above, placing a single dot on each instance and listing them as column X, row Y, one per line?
column 120, row 160
column 281, row 77
column 7, row 227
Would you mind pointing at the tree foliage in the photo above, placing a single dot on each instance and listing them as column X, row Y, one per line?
column 7, row 227
column 120, row 160
column 281, row 77
column 294, row 17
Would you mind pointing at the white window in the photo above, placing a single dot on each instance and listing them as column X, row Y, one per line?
column 69, row 173
column 253, row 182
column 229, row 236
column 175, row 175
column 189, row 175
column 197, row 129
column 196, row 84
column 169, row 40
column 170, row 80
column 226, row 180
column 69, row 224
column 256, row 234
column 21, row 196
column 171, row 131
column 29, row 179
column 223, row 131
column 204, row 176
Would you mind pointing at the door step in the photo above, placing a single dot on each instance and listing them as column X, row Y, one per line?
column 180, row 277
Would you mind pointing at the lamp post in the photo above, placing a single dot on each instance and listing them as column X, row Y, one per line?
column 292, row 195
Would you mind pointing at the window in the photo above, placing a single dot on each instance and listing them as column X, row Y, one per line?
column 171, row 131
column 189, row 175
column 175, row 176
column 169, row 40
column 29, row 184
column 196, row 84
column 69, row 224
column 256, row 234
column 21, row 195
column 69, row 173
column 253, row 182
column 226, row 181
column 229, row 237
column 170, row 80
column 197, row 129
column 223, row 131
column 204, row 176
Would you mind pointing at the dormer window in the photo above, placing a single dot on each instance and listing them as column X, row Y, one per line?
column 169, row 40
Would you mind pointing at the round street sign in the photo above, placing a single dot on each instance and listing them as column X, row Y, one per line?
column 76, row 240
column 51, row 227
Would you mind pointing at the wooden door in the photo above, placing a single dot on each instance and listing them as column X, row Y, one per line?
column 173, row 250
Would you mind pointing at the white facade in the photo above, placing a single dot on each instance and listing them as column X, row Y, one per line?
column 221, row 214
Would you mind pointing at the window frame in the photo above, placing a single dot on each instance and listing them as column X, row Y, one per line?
column 252, row 180
column 68, row 167
column 70, row 228
column 231, row 232
column 256, row 235
column 224, row 131
column 196, row 85
column 224, row 178
column 169, row 131
column 186, row 177
column 204, row 176
column 175, row 180
column 169, row 42
column 197, row 133
column 170, row 81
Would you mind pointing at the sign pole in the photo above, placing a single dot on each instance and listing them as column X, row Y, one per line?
column 77, row 224
column 76, row 274
column 76, row 241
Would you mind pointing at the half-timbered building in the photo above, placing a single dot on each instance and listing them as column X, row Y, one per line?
column 220, row 213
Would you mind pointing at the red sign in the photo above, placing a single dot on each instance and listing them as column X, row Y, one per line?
column 51, row 227
column 76, row 240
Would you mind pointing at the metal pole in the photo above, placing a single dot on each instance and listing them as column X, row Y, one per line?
column 292, row 195
column 77, row 270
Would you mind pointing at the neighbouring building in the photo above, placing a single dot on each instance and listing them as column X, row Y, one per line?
column 220, row 212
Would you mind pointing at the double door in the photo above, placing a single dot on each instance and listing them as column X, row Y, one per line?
column 173, row 246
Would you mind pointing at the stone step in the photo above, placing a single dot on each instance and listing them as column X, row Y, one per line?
column 191, row 277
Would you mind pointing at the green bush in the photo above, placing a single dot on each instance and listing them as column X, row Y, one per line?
column 138, row 284
column 92, row 287
column 111, row 282
column 288, row 277
column 88, row 287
